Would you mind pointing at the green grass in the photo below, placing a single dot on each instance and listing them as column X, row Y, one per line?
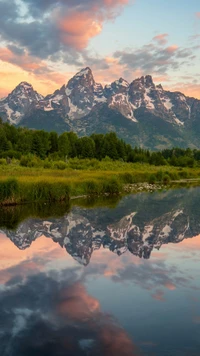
column 87, row 177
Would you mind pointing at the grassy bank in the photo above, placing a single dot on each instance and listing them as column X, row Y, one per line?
column 80, row 177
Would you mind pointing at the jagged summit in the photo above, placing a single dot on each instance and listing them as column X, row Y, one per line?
column 25, row 85
column 84, row 106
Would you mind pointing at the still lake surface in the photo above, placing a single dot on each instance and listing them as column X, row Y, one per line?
column 102, row 278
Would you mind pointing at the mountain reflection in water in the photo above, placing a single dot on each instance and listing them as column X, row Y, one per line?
column 115, row 292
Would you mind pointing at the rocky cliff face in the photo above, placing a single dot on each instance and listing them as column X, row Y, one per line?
column 19, row 103
column 136, row 111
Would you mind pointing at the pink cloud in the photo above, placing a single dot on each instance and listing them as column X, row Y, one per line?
column 172, row 49
column 77, row 28
column 198, row 15
column 77, row 303
column 161, row 39
column 170, row 286
column 159, row 295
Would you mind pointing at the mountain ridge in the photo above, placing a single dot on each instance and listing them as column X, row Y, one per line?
column 141, row 112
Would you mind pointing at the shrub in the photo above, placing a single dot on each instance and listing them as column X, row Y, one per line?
column 3, row 161
column 8, row 189
column 166, row 179
column 127, row 178
column 152, row 179
column 24, row 161
column 91, row 187
column 44, row 191
column 159, row 175
column 11, row 154
column 112, row 186
column 60, row 165
column 183, row 174
column 34, row 162
column 47, row 164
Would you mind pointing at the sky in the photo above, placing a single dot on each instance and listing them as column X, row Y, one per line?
column 45, row 42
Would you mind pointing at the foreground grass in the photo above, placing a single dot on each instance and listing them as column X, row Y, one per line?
column 80, row 177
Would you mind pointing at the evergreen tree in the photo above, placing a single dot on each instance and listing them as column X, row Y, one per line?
column 53, row 142
column 63, row 145
column 85, row 147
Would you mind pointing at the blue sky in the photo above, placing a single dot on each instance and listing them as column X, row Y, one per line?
column 46, row 42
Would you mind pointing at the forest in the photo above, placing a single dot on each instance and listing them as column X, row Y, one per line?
column 32, row 146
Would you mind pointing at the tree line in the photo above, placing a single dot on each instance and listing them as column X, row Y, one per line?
column 17, row 142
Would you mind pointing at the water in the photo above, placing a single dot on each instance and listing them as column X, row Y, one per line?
column 117, row 280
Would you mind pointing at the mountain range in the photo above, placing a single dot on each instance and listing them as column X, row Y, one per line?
column 168, row 217
column 140, row 112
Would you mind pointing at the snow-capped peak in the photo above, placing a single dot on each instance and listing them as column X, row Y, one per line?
column 122, row 82
column 83, row 72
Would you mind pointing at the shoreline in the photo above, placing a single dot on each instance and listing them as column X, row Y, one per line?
column 63, row 194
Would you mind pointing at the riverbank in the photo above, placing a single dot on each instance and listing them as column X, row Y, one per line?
column 20, row 185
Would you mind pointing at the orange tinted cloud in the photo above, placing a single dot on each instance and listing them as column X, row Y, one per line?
column 161, row 39
column 116, row 342
column 45, row 82
column 114, row 3
column 172, row 49
column 77, row 28
column 21, row 262
column 76, row 303
column 159, row 295
column 79, row 306
column 170, row 286
column 198, row 15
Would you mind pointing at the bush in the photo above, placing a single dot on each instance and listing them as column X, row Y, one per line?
column 35, row 162
column 159, row 175
column 8, row 189
column 47, row 164
column 3, row 162
column 166, row 179
column 152, row 179
column 11, row 154
column 127, row 178
column 60, row 165
column 24, row 161
column 91, row 187
column 44, row 191
column 183, row 174
column 112, row 186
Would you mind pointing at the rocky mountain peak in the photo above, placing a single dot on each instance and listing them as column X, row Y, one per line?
column 25, row 91
column 116, row 87
column 148, row 80
column 79, row 103
column 159, row 87
column 19, row 102
column 83, row 78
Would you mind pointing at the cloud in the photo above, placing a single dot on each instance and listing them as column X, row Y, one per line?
column 55, row 26
column 161, row 39
column 155, row 59
column 194, row 37
column 77, row 304
column 37, row 34
column 197, row 15
column 62, row 312
column 159, row 295
column 77, row 28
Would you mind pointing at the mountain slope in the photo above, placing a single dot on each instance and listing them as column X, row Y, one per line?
column 141, row 112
